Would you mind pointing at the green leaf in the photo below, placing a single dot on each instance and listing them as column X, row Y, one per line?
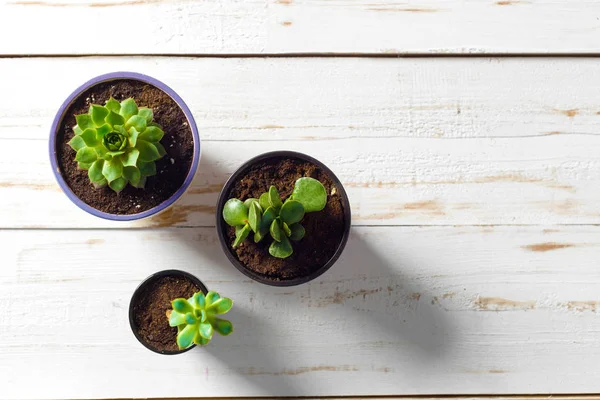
column 161, row 150
column 235, row 212
column 176, row 319
column 100, row 184
column 264, row 201
column 84, row 121
column 251, row 200
column 98, row 113
column 182, row 306
column 132, row 174
column 114, row 119
column 137, row 122
column 211, row 297
column 133, row 136
column 118, row 184
column 148, row 151
column 276, row 231
column 102, row 131
column 95, row 171
column 281, row 249
column 274, row 199
column 286, row 229
column 311, row 193
column 199, row 340
column 152, row 134
column 267, row 219
column 291, row 212
column 146, row 113
column 103, row 153
column 129, row 109
column 86, row 155
column 84, row 166
column 77, row 143
column 89, row 137
column 112, row 169
column 258, row 236
column 241, row 235
column 199, row 300
column 147, row 168
column 130, row 159
column 297, row 232
column 186, row 336
column 206, row 331
column 77, row 130
column 221, row 306
column 113, row 105
column 222, row 326
column 254, row 216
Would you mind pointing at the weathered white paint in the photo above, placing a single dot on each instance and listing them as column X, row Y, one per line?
column 298, row 26
column 415, row 141
column 406, row 310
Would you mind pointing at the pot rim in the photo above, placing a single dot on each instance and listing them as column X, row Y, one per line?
column 148, row 280
column 220, row 223
column 121, row 75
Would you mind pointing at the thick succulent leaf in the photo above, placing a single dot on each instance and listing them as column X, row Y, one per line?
column 77, row 130
column 286, row 229
column 86, row 155
column 100, row 184
column 281, row 249
column 112, row 169
column 84, row 121
column 103, row 153
column 114, row 119
column 274, row 199
column 146, row 113
column 141, row 183
column 185, row 337
column 98, row 113
column 147, row 168
column 133, row 136
column 89, row 137
column 311, row 193
column 148, row 151
column 182, row 306
column 267, row 219
column 152, row 134
column 222, row 326
column 276, row 231
column 118, row 184
column 84, row 166
column 132, row 174
column 113, row 105
column 251, row 200
column 77, row 143
column 161, row 149
column 206, row 330
column 128, row 109
column 291, row 212
column 199, row 300
column 137, row 122
column 95, row 171
column 297, row 232
column 241, row 235
column 190, row 319
column 211, row 298
column 199, row 340
column 130, row 159
column 221, row 306
column 263, row 200
column 176, row 318
column 102, row 131
column 254, row 216
column 235, row 212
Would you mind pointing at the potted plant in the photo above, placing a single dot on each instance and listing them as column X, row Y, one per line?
column 172, row 311
column 124, row 146
column 283, row 218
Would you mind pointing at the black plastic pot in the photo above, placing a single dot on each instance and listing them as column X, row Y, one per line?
column 222, row 226
column 139, row 290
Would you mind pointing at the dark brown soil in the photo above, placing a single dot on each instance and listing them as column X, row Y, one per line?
column 324, row 229
column 171, row 169
column 150, row 312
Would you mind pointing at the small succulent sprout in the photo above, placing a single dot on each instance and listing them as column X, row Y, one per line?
column 270, row 216
column 117, row 144
column 196, row 318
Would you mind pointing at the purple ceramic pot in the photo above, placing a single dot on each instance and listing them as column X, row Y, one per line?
column 113, row 77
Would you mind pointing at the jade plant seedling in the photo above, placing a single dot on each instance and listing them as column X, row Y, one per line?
column 117, row 144
column 268, row 215
column 196, row 318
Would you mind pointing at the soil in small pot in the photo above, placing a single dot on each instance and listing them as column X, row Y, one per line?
column 324, row 229
column 172, row 169
column 150, row 310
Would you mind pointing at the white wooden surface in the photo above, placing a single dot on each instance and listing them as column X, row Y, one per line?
column 298, row 26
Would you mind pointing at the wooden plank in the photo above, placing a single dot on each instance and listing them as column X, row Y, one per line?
column 415, row 141
column 299, row 26
column 406, row 310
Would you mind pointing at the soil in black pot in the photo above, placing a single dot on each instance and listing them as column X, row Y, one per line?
column 324, row 229
column 172, row 169
column 150, row 310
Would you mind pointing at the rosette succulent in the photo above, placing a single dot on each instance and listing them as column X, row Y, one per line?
column 117, row 144
column 196, row 318
column 269, row 216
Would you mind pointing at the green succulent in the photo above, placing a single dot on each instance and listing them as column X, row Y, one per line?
column 196, row 318
column 117, row 144
column 268, row 215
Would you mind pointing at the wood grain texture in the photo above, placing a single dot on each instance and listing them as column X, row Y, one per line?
column 415, row 141
column 300, row 26
column 406, row 310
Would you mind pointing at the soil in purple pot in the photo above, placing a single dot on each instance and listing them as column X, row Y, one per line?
column 324, row 229
column 171, row 169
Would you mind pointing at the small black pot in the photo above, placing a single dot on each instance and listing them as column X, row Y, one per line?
column 222, row 226
column 139, row 290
